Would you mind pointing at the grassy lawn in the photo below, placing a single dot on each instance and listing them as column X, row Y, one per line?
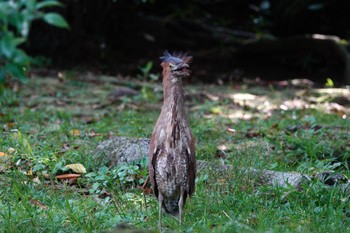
column 52, row 122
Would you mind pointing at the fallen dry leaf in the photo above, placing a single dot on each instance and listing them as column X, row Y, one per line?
column 67, row 176
column 30, row 172
column 74, row 132
column 2, row 154
column 77, row 167
column 10, row 124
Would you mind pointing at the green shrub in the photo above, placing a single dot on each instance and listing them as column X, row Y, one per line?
column 16, row 18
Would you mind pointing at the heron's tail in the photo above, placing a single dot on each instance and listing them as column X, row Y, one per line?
column 171, row 206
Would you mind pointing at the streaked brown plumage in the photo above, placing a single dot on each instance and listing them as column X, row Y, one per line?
column 172, row 163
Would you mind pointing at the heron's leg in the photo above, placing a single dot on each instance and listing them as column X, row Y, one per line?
column 181, row 205
column 160, row 201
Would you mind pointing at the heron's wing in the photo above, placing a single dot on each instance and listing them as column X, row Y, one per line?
column 152, row 156
column 192, row 165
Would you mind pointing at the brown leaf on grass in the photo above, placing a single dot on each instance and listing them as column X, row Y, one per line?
column 38, row 204
column 2, row 154
column 10, row 124
column 68, row 176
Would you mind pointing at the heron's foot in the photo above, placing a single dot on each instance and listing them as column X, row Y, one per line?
column 160, row 226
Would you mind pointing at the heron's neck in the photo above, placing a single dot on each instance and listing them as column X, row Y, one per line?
column 173, row 96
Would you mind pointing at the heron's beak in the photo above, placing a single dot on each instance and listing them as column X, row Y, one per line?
column 181, row 66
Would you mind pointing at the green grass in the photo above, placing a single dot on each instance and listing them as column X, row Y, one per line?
column 51, row 124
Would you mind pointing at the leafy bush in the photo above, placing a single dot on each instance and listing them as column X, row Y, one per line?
column 16, row 18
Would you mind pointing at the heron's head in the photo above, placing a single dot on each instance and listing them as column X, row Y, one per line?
column 176, row 64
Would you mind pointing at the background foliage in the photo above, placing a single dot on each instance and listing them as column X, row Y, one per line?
column 118, row 36
column 16, row 19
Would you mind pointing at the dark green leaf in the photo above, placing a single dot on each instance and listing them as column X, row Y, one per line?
column 315, row 6
column 56, row 20
column 30, row 4
column 4, row 9
column 15, row 71
column 7, row 45
column 19, row 40
column 20, row 57
column 2, row 75
column 47, row 4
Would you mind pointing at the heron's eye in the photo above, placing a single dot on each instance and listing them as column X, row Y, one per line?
column 171, row 65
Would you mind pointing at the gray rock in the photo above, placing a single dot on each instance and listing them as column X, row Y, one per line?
column 280, row 179
column 121, row 150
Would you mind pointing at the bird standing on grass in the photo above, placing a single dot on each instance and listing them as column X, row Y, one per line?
column 172, row 162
